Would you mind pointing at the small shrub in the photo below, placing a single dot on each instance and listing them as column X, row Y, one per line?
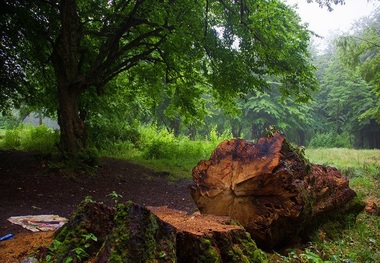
column 39, row 139
column 157, row 143
column 9, row 121
column 161, row 144
column 104, row 133
column 12, row 139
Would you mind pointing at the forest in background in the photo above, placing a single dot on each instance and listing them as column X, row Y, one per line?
column 343, row 112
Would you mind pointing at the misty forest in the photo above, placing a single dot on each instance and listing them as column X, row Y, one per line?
column 162, row 83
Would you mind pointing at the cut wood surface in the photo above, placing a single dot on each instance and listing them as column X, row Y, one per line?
column 269, row 188
column 197, row 224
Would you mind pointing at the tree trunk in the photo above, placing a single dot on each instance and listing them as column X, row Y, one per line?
column 175, row 125
column 236, row 128
column 131, row 233
column 301, row 135
column 269, row 188
column 192, row 132
column 73, row 135
column 70, row 84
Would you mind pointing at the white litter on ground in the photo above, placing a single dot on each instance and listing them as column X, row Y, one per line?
column 37, row 223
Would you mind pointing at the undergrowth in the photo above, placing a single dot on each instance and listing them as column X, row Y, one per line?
column 161, row 151
column 329, row 140
column 25, row 137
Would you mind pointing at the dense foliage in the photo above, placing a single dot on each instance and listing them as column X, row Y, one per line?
column 340, row 107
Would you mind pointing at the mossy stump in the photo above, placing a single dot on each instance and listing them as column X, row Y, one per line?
column 132, row 233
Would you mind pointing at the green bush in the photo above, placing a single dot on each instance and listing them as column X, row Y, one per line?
column 28, row 138
column 161, row 144
column 11, row 139
column 157, row 143
column 102, row 134
column 9, row 121
column 158, row 148
column 39, row 139
column 330, row 140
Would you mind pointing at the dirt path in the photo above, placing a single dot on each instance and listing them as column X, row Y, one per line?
column 28, row 187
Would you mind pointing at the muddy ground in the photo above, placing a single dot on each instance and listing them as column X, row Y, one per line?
column 30, row 186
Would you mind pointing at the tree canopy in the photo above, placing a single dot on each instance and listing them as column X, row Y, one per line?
column 61, row 54
column 361, row 52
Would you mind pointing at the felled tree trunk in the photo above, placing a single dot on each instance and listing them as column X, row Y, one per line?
column 269, row 188
column 131, row 233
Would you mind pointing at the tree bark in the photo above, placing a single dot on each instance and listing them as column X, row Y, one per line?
column 236, row 128
column 301, row 136
column 73, row 134
column 70, row 84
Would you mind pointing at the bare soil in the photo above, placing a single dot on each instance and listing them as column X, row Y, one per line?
column 29, row 187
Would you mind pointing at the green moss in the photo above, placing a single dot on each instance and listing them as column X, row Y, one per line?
column 71, row 242
column 250, row 251
column 149, row 237
column 332, row 229
column 77, row 239
column 155, row 247
column 332, row 224
column 241, row 248
column 120, row 235
column 237, row 255
column 129, row 243
column 356, row 205
column 234, row 247
column 209, row 252
column 116, row 258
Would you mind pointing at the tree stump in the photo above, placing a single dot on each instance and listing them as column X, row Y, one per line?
column 132, row 233
column 269, row 188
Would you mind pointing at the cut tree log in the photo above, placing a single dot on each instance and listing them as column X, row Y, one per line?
column 270, row 189
column 132, row 233
column 209, row 238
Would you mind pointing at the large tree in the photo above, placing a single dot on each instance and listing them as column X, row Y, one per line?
column 56, row 52
column 360, row 51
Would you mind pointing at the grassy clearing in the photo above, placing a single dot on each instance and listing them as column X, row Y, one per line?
column 343, row 158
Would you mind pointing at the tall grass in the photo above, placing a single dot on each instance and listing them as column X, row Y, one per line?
column 343, row 158
column 162, row 151
column 38, row 139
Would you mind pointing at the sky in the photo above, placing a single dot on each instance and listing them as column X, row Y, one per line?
column 323, row 22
